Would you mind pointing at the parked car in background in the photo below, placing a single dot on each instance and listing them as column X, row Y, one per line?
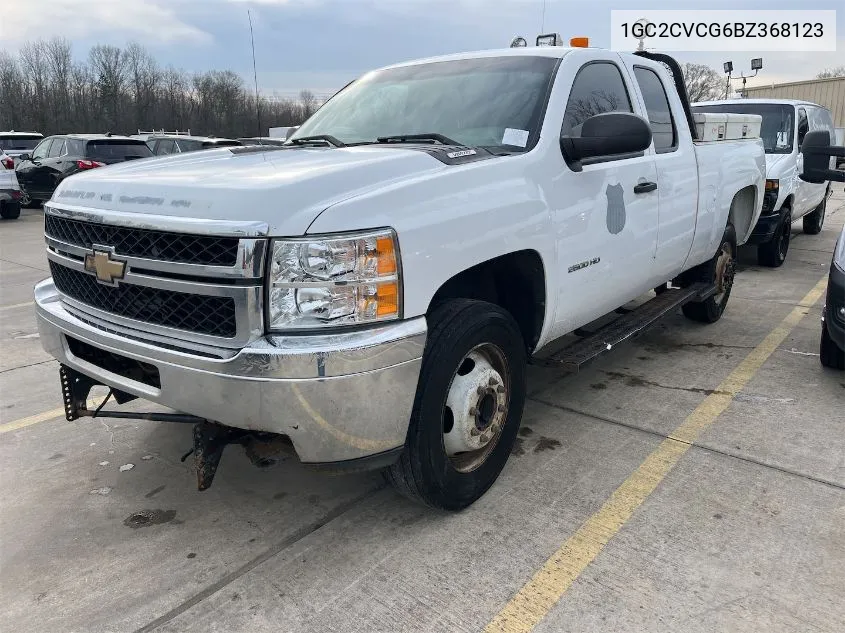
column 788, row 198
column 162, row 145
column 16, row 143
column 262, row 140
column 57, row 157
column 10, row 192
column 832, row 345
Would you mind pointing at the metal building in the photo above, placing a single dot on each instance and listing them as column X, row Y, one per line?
column 827, row 92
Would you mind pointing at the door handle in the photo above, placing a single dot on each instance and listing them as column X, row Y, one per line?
column 645, row 187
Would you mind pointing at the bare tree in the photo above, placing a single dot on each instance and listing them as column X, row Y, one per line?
column 702, row 82
column 58, row 54
column 308, row 102
column 829, row 73
column 42, row 89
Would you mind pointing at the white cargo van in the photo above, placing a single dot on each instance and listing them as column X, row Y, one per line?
column 787, row 198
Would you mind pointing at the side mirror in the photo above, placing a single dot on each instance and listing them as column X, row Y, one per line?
column 610, row 134
column 817, row 151
column 25, row 156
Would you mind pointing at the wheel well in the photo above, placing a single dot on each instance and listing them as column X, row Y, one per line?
column 742, row 210
column 516, row 282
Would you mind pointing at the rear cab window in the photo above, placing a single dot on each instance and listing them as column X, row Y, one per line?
column 116, row 150
column 660, row 118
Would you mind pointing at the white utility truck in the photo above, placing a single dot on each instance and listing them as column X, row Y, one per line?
column 372, row 291
column 785, row 123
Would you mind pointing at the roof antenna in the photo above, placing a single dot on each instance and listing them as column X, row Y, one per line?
column 543, row 25
column 255, row 75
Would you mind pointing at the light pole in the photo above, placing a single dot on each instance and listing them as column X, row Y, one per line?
column 756, row 65
column 728, row 66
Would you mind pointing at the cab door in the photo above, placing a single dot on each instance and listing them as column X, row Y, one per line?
column 606, row 215
column 677, row 169
column 30, row 173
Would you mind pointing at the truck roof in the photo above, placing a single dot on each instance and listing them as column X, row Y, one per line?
column 533, row 51
column 776, row 101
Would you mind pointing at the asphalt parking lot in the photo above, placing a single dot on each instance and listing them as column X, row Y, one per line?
column 693, row 480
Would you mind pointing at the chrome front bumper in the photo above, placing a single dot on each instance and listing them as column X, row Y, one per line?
column 338, row 397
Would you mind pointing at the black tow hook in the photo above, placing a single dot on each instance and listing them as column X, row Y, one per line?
column 209, row 441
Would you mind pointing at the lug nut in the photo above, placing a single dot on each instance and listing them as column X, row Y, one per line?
column 492, row 382
column 473, row 411
column 485, row 439
column 474, row 432
column 480, row 391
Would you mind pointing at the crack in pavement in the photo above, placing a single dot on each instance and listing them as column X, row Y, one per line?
column 638, row 381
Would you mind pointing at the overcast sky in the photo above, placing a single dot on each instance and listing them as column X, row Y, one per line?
column 322, row 44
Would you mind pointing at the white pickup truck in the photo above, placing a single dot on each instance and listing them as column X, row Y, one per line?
column 373, row 291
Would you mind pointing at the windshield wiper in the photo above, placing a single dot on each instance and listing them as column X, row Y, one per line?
column 415, row 138
column 317, row 138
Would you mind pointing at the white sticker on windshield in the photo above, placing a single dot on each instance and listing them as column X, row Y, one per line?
column 783, row 141
column 519, row 138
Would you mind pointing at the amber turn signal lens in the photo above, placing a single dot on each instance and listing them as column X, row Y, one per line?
column 579, row 42
column 386, row 256
column 388, row 299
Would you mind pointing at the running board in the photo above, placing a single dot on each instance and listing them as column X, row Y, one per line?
column 626, row 327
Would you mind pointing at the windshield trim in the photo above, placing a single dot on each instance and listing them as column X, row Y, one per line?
column 542, row 105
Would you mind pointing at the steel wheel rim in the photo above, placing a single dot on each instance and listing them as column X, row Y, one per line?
column 725, row 268
column 25, row 199
column 488, row 422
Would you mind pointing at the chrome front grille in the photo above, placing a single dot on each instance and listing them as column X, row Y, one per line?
column 182, row 286
column 161, row 245
column 214, row 316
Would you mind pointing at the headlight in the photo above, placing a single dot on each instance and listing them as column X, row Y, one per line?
column 334, row 280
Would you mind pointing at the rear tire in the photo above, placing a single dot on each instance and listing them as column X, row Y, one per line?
column 10, row 210
column 719, row 270
column 773, row 253
column 465, row 337
column 814, row 221
column 829, row 353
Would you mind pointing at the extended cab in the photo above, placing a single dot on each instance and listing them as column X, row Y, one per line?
column 373, row 290
column 788, row 198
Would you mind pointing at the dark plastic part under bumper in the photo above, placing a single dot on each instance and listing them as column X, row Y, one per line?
column 834, row 303
column 765, row 229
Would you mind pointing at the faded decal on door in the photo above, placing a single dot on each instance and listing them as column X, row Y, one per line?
column 615, row 208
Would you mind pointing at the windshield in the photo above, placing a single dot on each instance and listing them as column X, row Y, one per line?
column 487, row 102
column 776, row 129
column 19, row 142
column 108, row 151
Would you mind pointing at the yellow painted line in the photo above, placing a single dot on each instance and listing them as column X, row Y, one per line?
column 537, row 597
column 40, row 417
column 17, row 305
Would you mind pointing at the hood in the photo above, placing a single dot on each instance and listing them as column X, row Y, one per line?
column 284, row 188
column 775, row 164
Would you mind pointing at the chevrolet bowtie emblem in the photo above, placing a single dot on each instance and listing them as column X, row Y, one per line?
column 107, row 269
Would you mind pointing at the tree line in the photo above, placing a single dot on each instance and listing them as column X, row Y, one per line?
column 44, row 89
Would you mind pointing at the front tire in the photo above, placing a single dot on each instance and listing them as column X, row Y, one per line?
column 719, row 270
column 468, row 406
column 814, row 221
column 773, row 253
column 829, row 353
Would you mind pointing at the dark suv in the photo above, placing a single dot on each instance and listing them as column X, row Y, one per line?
column 57, row 157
